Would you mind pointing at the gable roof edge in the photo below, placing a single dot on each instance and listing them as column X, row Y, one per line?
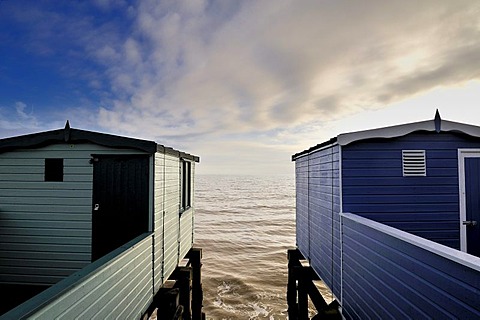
column 70, row 135
column 404, row 129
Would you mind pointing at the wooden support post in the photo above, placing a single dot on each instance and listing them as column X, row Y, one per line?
column 167, row 301
column 302, row 293
column 179, row 313
column 181, row 296
column 315, row 296
column 183, row 277
column 195, row 257
column 293, row 261
column 300, row 288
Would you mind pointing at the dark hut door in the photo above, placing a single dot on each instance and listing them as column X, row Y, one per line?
column 120, row 201
column 472, row 204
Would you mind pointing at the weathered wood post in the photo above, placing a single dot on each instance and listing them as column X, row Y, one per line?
column 183, row 277
column 167, row 303
column 303, row 280
column 293, row 261
column 315, row 295
column 195, row 257
column 301, row 288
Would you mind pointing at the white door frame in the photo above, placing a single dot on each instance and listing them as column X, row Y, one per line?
column 462, row 154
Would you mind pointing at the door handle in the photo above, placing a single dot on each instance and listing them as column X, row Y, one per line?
column 470, row 223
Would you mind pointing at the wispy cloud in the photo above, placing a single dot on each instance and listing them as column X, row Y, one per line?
column 186, row 68
column 17, row 119
column 257, row 71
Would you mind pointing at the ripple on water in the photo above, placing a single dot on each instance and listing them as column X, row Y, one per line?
column 245, row 226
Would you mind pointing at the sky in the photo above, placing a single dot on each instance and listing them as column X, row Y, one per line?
column 241, row 84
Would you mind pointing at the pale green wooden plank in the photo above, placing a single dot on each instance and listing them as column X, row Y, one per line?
column 45, row 208
column 39, row 161
column 90, row 294
column 68, row 264
column 58, row 237
column 36, row 271
column 171, row 263
column 34, row 217
column 77, row 170
column 20, row 161
column 39, row 177
column 31, row 279
column 6, row 177
column 76, row 178
column 52, row 256
column 39, row 185
column 45, row 193
column 128, row 288
column 46, row 248
column 42, row 227
column 137, row 299
column 5, row 171
column 9, row 200
column 186, row 229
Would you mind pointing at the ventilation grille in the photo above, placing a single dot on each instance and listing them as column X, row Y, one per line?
column 414, row 163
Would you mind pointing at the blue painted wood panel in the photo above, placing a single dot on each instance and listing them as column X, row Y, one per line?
column 386, row 276
column 301, row 185
column 318, row 207
column 374, row 187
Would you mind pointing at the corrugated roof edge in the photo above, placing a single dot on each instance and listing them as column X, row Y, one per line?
column 69, row 135
column 437, row 125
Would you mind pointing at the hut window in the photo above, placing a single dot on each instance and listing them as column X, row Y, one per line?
column 54, row 169
column 414, row 163
column 186, row 185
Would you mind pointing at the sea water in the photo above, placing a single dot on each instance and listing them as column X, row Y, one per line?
column 245, row 224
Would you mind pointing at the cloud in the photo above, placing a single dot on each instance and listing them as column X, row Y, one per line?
column 189, row 72
column 186, row 68
column 17, row 119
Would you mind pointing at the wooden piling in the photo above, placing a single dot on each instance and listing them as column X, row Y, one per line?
column 183, row 277
column 181, row 297
column 302, row 293
column 293, row 261
column 167, row 304
column 195, row 260
column 300, row 287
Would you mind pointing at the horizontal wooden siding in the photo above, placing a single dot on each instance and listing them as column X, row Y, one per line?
column 374, row 186
column 388, row 277
column 301, row 186
column 118, row 286
column 187, row 221
column 159, row 207
column 318, row 208
column 45, row 227
column 172, row 214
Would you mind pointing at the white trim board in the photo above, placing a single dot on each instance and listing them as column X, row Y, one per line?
column 460, row 257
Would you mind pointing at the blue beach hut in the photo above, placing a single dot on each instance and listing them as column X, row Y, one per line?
column 389, row 219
